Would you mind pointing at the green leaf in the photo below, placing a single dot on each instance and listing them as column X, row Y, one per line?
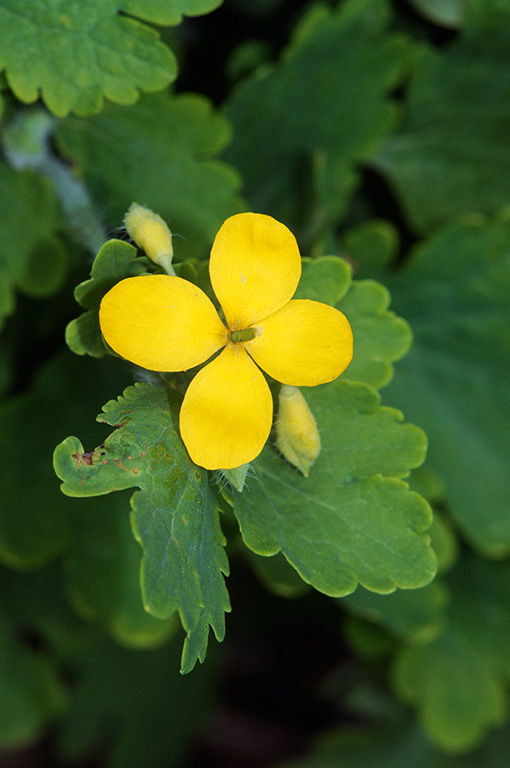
column 398, row 746
column 380, row 337
column 325, row 107
column 174, row 515
column 32, row 693
column 416, row 615
column 133, row 707
column 168, row 11
column 115, row 261
column 451, row 156
column 371, row 247
column 352, row 520
column 102, row 570
column 447, row 13
column 160, row 153
column 457, row 708
column 454, row 382
column 74, row 53
column 32, row 257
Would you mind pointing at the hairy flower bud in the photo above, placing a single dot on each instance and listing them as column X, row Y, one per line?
column 150, row 233
column 297, row 436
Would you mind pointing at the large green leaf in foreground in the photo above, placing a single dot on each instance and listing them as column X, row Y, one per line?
column 301, row 128
column 160, row 153
column 352, row 521
column 451, row 155
column 174, row 515
column 455, row 293
column 76, row 52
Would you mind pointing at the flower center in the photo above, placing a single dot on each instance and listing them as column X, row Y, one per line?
column 246, row 335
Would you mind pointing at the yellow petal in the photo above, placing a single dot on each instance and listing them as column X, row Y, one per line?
column 255, row 268
column 227, row 411
column 305, row 343
column 160, row 322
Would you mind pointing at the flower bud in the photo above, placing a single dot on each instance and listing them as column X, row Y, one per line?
column 151, row 234
column 236, row 476
column 297, row 436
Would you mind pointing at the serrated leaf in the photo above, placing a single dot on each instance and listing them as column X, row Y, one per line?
column 74, row 53
column 174, row 515
column 352, row 521
column 380, row 337
column 160, row 153
column 133, row 706
column 455, row 708
column 454, row 140
column 325, row 107
column 32, row 257
column 415, row 615
column 454, row 382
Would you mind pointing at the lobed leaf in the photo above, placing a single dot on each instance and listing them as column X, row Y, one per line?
column 454, row 292
column 455, row 708
column 75, row 53
column 174, row 514
column 352, row 521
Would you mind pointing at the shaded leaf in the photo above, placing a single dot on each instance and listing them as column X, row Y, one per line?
column 32, row 257
column 454, row 291
column 133, row 706
column 448, row 13
column 160, row 153
column 174, row 515
column 325, row 107
column 352, row 520
column 451, row 155
column 415, row 615
column 398, row 746
column 35, row 519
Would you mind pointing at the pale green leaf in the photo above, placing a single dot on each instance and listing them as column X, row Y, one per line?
column 458, row 681
column 454, row 383
column 325, row 107
column 174, row 515
column 352, row 521
column 74, row 53
column 447, row 13
column 160, row 153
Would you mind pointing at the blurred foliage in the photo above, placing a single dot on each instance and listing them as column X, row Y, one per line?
column 377, row 130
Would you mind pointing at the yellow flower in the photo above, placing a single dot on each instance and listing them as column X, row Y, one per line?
column 165, row 323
